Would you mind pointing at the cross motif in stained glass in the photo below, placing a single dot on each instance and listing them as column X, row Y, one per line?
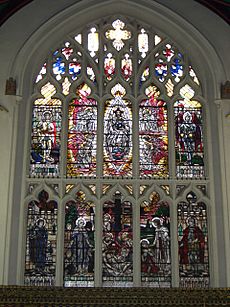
column 118, row 34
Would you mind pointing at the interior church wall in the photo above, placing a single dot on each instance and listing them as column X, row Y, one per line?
column 26, row 38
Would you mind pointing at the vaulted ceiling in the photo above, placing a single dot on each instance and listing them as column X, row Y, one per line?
column 220, row 7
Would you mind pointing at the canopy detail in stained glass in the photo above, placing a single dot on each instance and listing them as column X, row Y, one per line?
column 118, row 90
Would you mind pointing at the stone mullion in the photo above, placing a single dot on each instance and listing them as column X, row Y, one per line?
column 60, row 237
column 98, row 239
column 135, row 138
column 171, row 140
column 174, row 238
column 100, row 136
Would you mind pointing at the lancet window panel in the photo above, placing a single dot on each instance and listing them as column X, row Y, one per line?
column 189, row 136
column 79, row 242
column 153, row 135
column 117, row 243
column 155, row 242
column 46, row 132
column 193, row 243
column 118, row 135
column 41, row 241
column 82, row 134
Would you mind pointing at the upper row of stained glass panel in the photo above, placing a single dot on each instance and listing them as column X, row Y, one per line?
column 76, row 68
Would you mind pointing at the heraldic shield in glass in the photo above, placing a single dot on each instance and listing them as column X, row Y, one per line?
column 79, row 242
column 155, row 242
column 117, row 243
column 41, row 241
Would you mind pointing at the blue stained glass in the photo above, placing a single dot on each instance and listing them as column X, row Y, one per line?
column 176, row 70
column 41, row 241
column 58, row 68
column 161, row 70
column 74, row 70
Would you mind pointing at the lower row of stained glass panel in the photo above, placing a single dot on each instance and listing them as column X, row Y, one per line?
column 117, row 242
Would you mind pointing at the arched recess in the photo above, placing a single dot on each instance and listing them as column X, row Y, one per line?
column 28, row 60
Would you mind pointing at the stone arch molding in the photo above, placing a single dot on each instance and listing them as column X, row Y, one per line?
column 49, row 35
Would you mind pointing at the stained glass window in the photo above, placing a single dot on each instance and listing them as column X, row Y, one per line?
column 40, row 263
column 189, row 136
column 155, row 242
column 193, row 243
column 117, row 112
column 117, row 243
column 153, row 135
column 118, row 135
column 109, row 66
column 46, row 130
column 118, row 35
column 79, row 242
column 81, row 149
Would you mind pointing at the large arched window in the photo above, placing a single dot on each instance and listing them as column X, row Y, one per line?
column 117, row 153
